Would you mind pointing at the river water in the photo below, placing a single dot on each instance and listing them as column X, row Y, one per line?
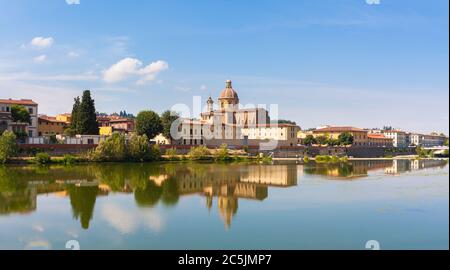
column 401, row 204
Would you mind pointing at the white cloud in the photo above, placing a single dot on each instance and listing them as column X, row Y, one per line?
column 203, row 87
column 42, row 42
column 73, row 54
column 127, row 221
column 73, row 2
column 40, row 58
column 373, row 2
column 131, row 67
column 38, row 228
column 121, row 219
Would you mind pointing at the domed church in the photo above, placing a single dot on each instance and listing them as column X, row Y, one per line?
column 227, row 123
column 229, row 113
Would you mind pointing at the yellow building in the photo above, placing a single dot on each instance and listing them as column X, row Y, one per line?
column 65, row 117
column 49, row 125
column 109, row 130
column 359, row 135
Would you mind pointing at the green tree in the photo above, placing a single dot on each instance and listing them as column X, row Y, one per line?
column 345, row 138
column 284, row 121
column 138, row 148
column 75, row 121
column 309, row 140
column 87, row 115
column 167, row 118
column 8, row 146
column 113, row 149
column 446, row 142
column 20, row 114
column 322, row 140
column 148, row 123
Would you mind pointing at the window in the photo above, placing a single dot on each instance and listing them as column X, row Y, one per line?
column 30, row 110
column 30, row 133
column 90, row 141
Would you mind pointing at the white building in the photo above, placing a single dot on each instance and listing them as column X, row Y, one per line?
column 399, row 137
column 7, row 123
column 427, row 140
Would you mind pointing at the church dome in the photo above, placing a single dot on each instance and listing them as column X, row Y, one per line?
column 228, row 92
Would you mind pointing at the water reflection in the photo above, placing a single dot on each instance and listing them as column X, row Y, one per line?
column 362, row 168
column 167, row 183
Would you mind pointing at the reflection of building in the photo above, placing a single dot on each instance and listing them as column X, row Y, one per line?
column 228, row 185
column 350, row 171
column 401, row 166
column 275, row 175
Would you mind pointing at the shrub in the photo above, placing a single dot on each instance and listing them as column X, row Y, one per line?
column 323, row 159
column 8, row 146
column 221, row 154
column 344, row 159
column 335, row 159
column 306, row 159
column 42, row 158
column 138, row 148
column 113, row 149
column 171, row 154
column 155, row 153
column 69, row 159
column 198, row 153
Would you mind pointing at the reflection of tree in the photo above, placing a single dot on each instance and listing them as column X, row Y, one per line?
column 149, row 195
column 334, row 170
column 170, row 193
column 82, row 200
column 15, row 196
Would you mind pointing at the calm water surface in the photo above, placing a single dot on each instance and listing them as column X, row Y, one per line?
column 402, row 204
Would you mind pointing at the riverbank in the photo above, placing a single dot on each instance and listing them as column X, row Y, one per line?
column 70, row 160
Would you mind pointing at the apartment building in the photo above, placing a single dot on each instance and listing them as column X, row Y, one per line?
column 7, row 123
column 359, row 135
column 400, row 138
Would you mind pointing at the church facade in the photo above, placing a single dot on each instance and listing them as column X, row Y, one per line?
column 237, row 127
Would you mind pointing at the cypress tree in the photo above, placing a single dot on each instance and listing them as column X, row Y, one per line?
column 87, row 115
column 75, row 121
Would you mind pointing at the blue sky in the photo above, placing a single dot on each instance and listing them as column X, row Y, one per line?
column 323, row 62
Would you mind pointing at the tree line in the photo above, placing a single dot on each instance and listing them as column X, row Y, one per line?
column 147, row 122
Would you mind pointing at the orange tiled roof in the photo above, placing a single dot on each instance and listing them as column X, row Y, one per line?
column 18, row 102
column 50, row 119
column 339, row 129
column 121, row 120
column 376, row 136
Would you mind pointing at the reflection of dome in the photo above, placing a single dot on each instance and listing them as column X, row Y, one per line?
column 227, row 208
column 228, row 92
